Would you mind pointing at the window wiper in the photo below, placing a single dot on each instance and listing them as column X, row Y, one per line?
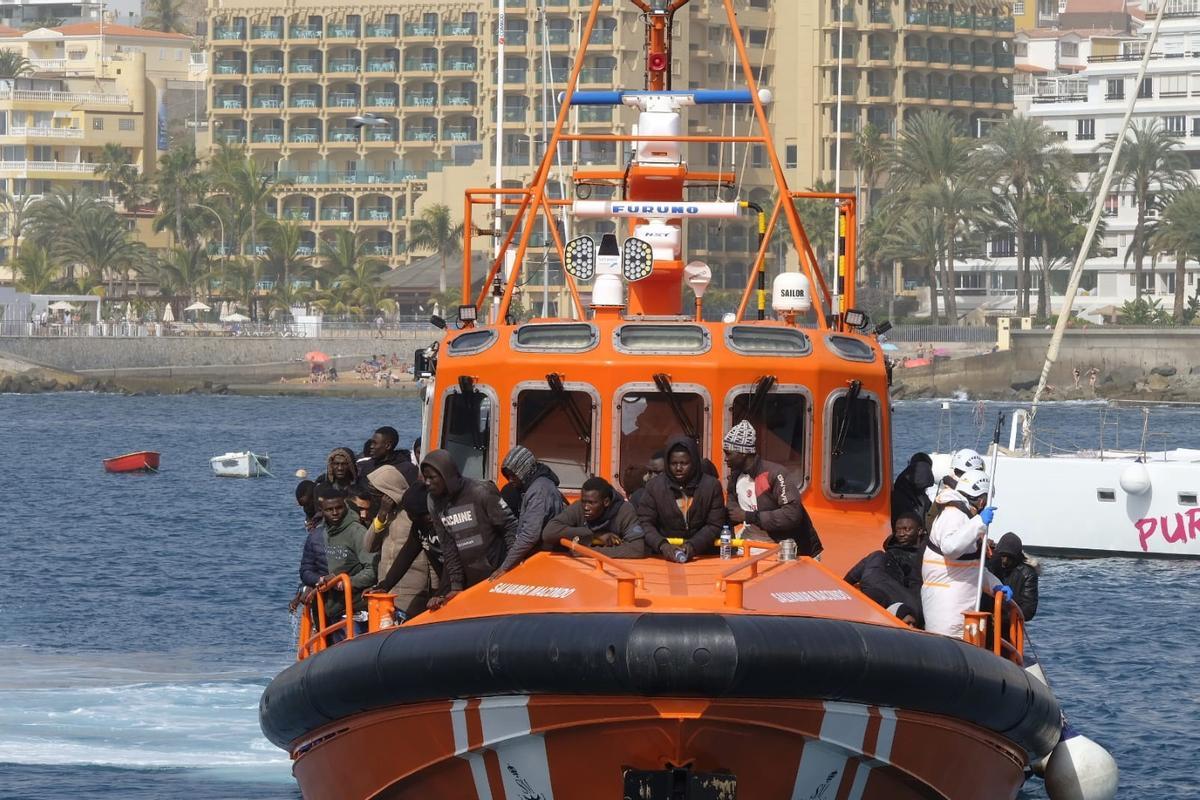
column 758, row 400
column 581, row 427
column 664, row 385
column 839, row 441
column 466, row 388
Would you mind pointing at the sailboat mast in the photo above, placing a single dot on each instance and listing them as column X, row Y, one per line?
column 1064, row 314
column 501, row 21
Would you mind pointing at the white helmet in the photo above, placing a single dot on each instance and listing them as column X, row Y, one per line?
column 974, row 483
column 965, row 460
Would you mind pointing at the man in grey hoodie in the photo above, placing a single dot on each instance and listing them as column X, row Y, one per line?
column 540, row 502
column 474, row 526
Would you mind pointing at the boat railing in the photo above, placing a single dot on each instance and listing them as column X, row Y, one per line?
column 734, row 587
column 1010, row 644
column 628, row 580
column 312, row 643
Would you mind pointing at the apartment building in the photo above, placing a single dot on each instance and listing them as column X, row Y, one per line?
column 26, row 13
column 1086, row 108
column 896, row 58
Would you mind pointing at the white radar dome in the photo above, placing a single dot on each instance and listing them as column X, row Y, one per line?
column 790, row 292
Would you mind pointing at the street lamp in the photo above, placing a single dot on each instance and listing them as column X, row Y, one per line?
column 220, row 223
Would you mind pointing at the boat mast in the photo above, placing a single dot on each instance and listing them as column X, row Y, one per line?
column 834, row 300
column 1064, row 314
column 497, row 210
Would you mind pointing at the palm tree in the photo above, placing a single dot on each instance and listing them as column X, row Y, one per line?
column 56, row 215
column 358, row 273
column 184, row 272
column 870, row 151
column 15, row 209
column 100, row 244
column 1178, row 231
column 178, row 184
column 14, row 65
column 1058, row 216
column 931, row 163
column 36, row 272
column 166, row 16
column 343, row 254
column 282, row 260
column 247, row 186
column 1017, row 152
column 124, row 181
column 817, row 216
column 908, row 233
column 1150, row 166
column 435, row 231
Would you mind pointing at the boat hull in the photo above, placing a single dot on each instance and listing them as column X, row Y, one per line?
column 240, row 465
column 1079, row 506
column 521, row 748
column 142, row 461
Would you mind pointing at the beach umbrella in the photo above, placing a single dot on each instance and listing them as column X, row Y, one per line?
column 128, row 311
column 235, row 318
column 61, row 305
column 888, row 347
column 198, row 306
column 316, row 357
column 168, row 314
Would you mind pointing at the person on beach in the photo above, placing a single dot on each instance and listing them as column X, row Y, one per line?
column 683, row 502
column 341, row 471
column 892, row 576
column 418, row 563
column 541, row 501
column 762, row 497
column 345, row 552
column 950, row 567
column 474, row 526
column 600, row 519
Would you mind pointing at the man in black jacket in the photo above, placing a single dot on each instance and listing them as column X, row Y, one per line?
column 1020, row 573
column 909, row 491
column 601, row 519
column 474, row 526
column 682, row 502
column 762, row 496
column 892, row 576
column 384, row 442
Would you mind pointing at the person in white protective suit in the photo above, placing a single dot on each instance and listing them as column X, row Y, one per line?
column 950, row 568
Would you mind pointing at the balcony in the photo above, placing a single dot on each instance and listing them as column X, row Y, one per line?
column 305, row 136
column 983, row 60
column 962, row 94
column 595, row 114
column 459, row 99
column 514, row 114
column 380, row 135
column 918, row 18
column 304, row 32
column 375, row 214
column 45, row 132
column 916, row 53
column 880, row 53
column 267, row 137
column 1004, row 60
column 368, row 177
column 272, row 101
column 381, row 65
column 343, row 65
column 73, row 98
column 266, row 32
column 305, row 101
column 68, row 167
column 343, row 32
column 229, row 68
column 1003, row 95
column 229, row 34
column 558, row 37
column 965, row 21
column 306, row 65
column 984, row 95
column 939, row 19
column 419, row 65
column 420, row 100
column 337, row 214
column 343, row 135
column 939, row 93
column 939, row 56
column 343, row 100
column 880, row 89
column 383, row 31
column 1005, row 24
column 460, row 65
column 228, row 102
column 381, row 100
column 881, row 16
column 379, row 249
column 420, row 30
column 516, row 38
column 298, row 214
column 605, row 36
column 460, row 133
column 460, row 29
column 267, row 68
column 514, row 74
column 420, row 136
column 232, row 137
column 960, row 58
column 48, row 64
column 601, row 75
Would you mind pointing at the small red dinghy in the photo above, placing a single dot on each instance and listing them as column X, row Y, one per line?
column 141, row 461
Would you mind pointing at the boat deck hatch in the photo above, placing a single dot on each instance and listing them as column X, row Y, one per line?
column 850, row 348
column 679, row 784
column 472, row 342
column 571, row 337
column 753, row 340
column 661, row 338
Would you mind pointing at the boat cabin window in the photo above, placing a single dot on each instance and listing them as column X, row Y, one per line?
column 575, row 337
column 660, row 339
column 467, row 431
column 853, row 444
column 781, row 421
column 761, row 340
column 471, row 342
column 558, row 428
column 649, row 418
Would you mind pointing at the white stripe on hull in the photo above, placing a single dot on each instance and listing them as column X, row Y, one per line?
column 458, row 721
column 822, row 763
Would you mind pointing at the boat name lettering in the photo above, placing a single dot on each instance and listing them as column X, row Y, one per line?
column 653, row 208
column 555, row 592
column 813, row 596
column 1187, row 526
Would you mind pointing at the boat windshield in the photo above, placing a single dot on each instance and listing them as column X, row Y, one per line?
column 781, row 420
column 467, row 431
column 649, row 419
column 558, row 427
column 854, row 445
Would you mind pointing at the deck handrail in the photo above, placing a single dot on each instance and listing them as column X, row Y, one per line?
column 1008, row 644
column 312, row 643
column 627, row 583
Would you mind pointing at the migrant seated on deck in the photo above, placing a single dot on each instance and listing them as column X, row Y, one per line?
column 601, row 519
column 892, row 576
column 682, row 502
column 474, row 526
column 762, row 496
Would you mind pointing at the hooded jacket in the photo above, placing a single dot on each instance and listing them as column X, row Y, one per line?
column 950, row 568
column 325, row 479
column 390, row 539
column 909, row 493
column 780, row 513
column 346, row 551
column 620, row 518
column 401, row 460
column 313, row 565
column 891, row 575
column 476, row 529
column 1022, row 578
column 693, row 509
column 540, row 502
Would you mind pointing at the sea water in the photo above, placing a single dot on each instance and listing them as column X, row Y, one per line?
column 141, row 616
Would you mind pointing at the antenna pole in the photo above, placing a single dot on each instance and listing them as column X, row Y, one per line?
column 835, row 294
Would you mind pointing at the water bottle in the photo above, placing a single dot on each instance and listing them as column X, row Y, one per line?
column 726, row 543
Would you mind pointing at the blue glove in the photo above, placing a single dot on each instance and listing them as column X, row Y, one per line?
column 1000, row 588
column 987, row 514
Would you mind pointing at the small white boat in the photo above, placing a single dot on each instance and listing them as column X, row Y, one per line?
column 240, row 465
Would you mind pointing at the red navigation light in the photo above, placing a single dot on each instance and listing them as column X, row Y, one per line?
column 657, row 62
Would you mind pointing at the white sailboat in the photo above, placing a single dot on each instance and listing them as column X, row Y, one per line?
column 241, row 465
column 1127, row 503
